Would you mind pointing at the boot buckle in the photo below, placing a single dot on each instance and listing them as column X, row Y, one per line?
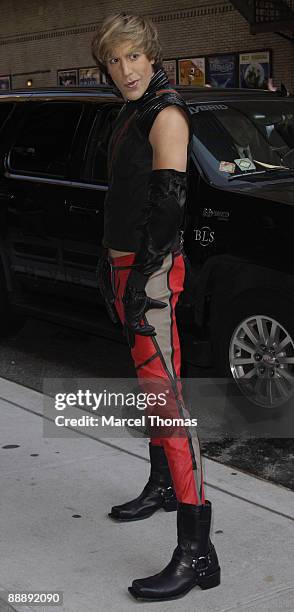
column 167, row 493
column 195, row 563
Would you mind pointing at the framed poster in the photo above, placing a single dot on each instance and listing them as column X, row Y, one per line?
column 254, row 69
column 5, row 82
column 222, row 70
column 192, row 71
column 170, row 67
column 67, row 78
column 89, row 77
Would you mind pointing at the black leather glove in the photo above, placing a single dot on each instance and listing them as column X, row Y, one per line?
column 105, row 286
column 136, row 304
column 164, row 216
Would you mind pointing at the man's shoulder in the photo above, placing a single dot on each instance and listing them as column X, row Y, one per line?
column 161, row 100
column 170, row 125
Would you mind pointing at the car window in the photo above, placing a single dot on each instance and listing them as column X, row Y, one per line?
column 44, row 140
column 244, row 136
column 95, row 167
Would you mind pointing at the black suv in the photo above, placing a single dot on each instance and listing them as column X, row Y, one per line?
column 239, row 298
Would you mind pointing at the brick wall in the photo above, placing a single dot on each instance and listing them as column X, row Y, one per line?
column 39, row 37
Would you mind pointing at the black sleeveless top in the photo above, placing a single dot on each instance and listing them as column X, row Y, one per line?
column 130, row 163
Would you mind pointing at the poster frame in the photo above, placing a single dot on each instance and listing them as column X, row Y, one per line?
column 175, row 60
column 86, row 68
column 194, row 57
column 68, row 71
column 3, row 78
column 249, row 52
column 235, row 55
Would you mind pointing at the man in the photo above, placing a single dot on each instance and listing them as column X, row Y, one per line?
column 144, row 212
column 283, row 91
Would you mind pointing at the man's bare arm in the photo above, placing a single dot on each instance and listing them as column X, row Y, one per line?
column 167, row 187
column 169, row 137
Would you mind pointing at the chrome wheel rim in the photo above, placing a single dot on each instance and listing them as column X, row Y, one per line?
column 261, row 356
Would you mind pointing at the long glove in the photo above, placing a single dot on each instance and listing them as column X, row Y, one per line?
column 164, row 217
column 105, row 287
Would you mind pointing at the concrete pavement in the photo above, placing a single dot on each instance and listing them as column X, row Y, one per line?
column 55, row 534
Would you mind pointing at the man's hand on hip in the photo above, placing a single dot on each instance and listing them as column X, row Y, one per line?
column 136, row 304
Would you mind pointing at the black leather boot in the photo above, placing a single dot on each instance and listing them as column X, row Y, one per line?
column 157, row 493
column 194, row 561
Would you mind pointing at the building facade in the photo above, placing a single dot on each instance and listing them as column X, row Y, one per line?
column 38, row 38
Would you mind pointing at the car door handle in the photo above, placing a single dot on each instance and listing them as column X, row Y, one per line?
column 7, row 196
column 82, row 210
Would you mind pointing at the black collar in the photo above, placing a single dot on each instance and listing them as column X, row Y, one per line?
column 158, row 81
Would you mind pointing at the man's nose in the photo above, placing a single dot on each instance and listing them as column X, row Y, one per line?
column 126, row 68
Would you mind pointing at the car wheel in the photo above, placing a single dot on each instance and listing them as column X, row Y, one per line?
column 254, row 343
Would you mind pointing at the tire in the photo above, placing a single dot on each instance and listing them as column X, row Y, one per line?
column 253, row 343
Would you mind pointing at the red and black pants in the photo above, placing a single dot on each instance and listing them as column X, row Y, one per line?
column 158, row 358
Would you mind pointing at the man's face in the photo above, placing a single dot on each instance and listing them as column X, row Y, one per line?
column 130, row 70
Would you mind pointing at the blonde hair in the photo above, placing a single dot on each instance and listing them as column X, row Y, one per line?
column 121, row 28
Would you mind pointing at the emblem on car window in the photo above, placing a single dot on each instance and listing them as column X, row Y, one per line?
column 244, row 163
column 225, row 166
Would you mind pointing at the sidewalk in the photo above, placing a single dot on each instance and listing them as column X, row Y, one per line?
column 44, row 482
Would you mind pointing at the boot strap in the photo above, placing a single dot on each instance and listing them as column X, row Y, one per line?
column 201, row 564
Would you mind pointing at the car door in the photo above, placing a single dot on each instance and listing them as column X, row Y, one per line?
column 37, row 178
column 83, row 231
column 209, row 207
